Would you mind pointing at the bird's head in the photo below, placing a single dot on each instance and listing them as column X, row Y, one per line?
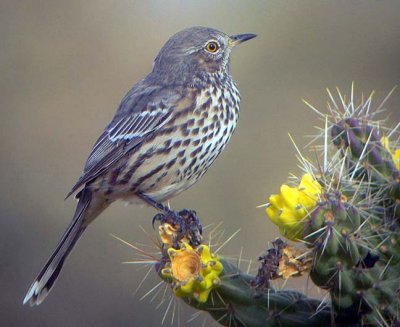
column 196, row 52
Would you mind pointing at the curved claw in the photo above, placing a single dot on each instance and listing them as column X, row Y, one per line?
column 158, row 217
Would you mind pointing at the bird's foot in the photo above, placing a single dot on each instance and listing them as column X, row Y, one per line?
column 182, row 225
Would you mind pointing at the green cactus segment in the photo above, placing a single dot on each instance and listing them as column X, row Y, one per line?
column 236, row 303
column 354, row 232
column 330, row 232
column 365, row 146
column 357, row 261
column 369, row 161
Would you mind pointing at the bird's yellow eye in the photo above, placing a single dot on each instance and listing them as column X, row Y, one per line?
column 212, row 46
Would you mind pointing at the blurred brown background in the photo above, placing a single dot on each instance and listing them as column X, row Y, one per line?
column 65, row 65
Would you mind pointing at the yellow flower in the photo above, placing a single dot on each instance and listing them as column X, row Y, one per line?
column 395, row 153
column 292, row 205
column 193, row 272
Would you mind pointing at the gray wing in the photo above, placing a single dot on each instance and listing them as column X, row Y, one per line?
column 141, row 113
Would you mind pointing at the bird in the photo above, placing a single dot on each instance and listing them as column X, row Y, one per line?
column 165, row 134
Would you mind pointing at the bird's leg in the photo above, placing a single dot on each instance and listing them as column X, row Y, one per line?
column 185, row 221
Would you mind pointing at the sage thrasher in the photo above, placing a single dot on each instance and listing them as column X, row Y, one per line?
column 167, row 131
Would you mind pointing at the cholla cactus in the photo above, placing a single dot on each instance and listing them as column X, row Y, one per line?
column 343, row 213
column 353, row 229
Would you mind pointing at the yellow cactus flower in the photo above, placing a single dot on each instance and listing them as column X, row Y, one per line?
column 292, row 205
column 194, row 272
column 395, row 153
column 396, row 158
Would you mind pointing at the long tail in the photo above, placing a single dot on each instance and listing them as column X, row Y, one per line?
column 86, row 211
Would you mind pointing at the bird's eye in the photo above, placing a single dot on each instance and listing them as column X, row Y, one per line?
column 212, row 46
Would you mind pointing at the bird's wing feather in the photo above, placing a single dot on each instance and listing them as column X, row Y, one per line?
column 139, row 115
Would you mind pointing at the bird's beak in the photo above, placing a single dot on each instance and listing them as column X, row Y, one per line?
column 240, row 38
